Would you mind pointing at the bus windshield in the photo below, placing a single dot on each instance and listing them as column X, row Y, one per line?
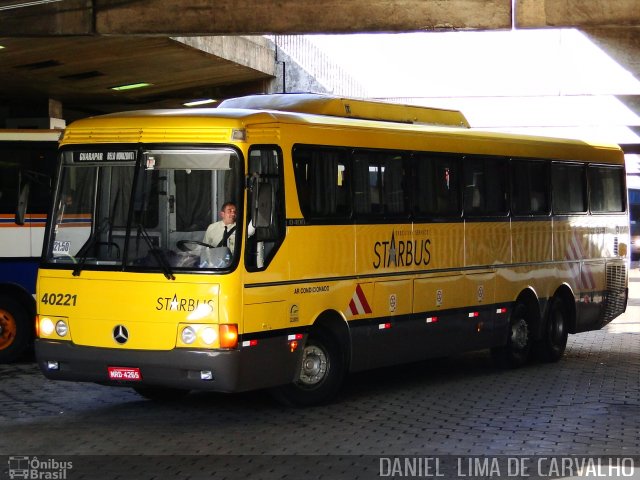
column 143, row 210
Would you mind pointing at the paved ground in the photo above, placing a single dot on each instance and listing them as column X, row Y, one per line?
column 456, row 409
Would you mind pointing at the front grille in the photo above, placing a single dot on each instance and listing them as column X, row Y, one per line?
column 615, row 302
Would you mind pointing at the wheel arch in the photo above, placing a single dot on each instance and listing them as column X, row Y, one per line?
column 564, row 293
column 334, row 323
column 530, row 299
column 19, row 294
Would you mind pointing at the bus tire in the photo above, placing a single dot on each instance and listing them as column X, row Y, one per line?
column 515, row 353
column 161, row 394
column 321, row 373
column 551, row 346
column 15, row 329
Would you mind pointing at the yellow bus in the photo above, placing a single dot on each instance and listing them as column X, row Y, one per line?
column 366, row 234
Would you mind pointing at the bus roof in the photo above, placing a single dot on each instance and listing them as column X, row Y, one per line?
column 348, row 108
column 217, row 124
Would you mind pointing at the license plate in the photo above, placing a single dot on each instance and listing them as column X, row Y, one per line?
column 125, row 374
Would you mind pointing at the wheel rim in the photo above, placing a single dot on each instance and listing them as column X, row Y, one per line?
column 520, row 334
column 8, row 329
column 314, row 365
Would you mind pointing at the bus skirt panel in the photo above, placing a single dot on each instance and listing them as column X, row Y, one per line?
column 270, row 363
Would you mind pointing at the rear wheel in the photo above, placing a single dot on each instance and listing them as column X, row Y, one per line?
column 551, row 346
column 321, row 373
column 161, row 394
column 518, row 347
column 15, row 329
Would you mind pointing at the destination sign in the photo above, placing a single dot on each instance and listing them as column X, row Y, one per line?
column 105, row 156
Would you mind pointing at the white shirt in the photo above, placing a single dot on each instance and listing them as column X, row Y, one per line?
column 215, row 232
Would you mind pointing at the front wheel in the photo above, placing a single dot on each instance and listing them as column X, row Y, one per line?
column 551, row 346
column 518, row 347
column 15, row 329
column 320, row 375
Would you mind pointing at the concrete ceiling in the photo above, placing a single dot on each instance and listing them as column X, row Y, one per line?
column 74, row 51
column 80, row 71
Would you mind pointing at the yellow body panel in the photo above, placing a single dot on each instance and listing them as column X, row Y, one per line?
column 149, row 305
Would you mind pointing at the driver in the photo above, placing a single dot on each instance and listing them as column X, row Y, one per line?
column 221, row 233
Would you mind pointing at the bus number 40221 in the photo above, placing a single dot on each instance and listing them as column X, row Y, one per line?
column 62, row 299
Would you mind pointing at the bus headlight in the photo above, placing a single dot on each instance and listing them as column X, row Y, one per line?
column 188, row 335
column 53, row 327
column 61, row 328
column 207, row 336
column 46, row 326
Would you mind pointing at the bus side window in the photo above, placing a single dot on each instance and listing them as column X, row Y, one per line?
column 267, row 215
column 568, row 188
column 606, row 189
column 379, row 183
column 529, row 195
column 435, row 185
column 485, row 186
column 361, row 181
column 322, row 181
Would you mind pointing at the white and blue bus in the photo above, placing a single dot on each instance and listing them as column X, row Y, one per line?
column 27, row 164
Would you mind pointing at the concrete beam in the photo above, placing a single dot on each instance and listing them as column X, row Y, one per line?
column 621, row 44
column 238, row 17
column 71, row 17
column 576, row 13
column 254, row 52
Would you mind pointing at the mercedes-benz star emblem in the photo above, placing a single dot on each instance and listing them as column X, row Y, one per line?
column 120, row 334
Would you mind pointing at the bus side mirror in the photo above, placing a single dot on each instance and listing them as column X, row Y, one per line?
column 263, row 212
column 23, row 200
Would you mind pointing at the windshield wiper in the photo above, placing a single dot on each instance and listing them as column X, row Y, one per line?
column 157, row 253
column 83, row 253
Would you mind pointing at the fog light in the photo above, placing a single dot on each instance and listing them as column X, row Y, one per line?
column 206, row 375
column 188, row 335
column 53, row 365
column 46, row 326
column 208, row 335
column 61, row 328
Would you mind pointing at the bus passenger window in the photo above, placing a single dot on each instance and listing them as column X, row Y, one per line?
column 529, row 188
column 485, row 186
column 322, row 180
column 435, row 186
column 568, row 188
column 606, row 189
column 379, row 183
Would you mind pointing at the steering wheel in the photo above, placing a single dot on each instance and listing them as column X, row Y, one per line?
column 183, row 245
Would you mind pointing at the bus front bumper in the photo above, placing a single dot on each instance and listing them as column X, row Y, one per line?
column 215, row 370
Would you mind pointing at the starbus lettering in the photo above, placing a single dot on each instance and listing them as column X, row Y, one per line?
column 181, row 304
column 402, row 253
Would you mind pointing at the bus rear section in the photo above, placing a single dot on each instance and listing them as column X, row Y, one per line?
column 27, row 163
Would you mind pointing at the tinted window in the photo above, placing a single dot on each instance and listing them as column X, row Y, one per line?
column 322, row 179
column 606, row 189
column 485, row 191
column 379, row 183
column 435, row 185
column 30, row 163
column 529, row 192
column 568, row 188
